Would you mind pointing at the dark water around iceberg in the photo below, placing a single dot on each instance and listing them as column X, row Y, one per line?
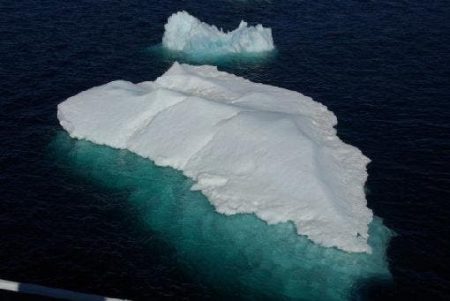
column 84, row 217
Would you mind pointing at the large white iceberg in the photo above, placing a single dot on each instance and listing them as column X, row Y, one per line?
column 251, row 148
column 186, row 33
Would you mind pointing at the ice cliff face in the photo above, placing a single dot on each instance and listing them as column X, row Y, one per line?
column 186, row 33
column 251, row 148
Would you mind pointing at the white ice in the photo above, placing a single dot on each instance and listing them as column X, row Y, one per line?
column 251, row 148
column 186, row 33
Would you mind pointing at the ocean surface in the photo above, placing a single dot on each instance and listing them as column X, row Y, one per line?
column 88, row 218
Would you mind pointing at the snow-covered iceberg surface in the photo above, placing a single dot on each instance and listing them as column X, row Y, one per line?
column 251, row 148
column 186, row 33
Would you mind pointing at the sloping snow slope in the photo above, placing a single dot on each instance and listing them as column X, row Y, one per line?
column 186, row 33
column 251, row 148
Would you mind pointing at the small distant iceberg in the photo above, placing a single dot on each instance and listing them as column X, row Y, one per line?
column 250, row 148
column 187, row 34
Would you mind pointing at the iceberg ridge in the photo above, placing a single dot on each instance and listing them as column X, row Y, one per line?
column 251, row 148
column 186, row 33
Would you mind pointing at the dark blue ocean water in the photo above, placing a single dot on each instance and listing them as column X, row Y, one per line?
column 66, row 216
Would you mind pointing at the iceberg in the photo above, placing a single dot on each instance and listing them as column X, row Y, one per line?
column 185, row 33
column 249, row 147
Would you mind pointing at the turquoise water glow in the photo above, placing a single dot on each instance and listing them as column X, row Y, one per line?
column 211, row 58
column 236, row 255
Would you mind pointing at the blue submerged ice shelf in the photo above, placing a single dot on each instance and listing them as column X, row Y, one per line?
column 239, row 254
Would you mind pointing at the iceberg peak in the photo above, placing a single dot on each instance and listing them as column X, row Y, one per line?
column 185, row 33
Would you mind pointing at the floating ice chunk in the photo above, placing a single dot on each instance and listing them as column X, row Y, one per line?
column 186, row 33
column 251, row 148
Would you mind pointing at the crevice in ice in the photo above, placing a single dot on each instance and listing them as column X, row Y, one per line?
column 147, row 120
column 211, row 138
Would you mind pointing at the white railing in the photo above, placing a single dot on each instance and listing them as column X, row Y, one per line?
column 27, row 288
